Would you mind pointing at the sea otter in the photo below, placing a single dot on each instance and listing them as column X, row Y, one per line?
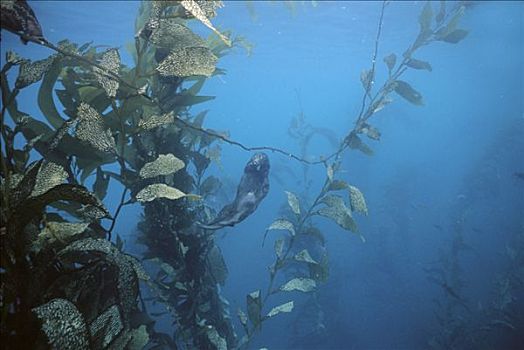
column 252, row 189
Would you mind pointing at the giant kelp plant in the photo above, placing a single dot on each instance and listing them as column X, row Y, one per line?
column 131, row 128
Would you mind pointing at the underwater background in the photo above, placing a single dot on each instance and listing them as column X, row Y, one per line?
column 439, row 258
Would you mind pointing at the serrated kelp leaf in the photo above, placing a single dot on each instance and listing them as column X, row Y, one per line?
column 282, row 224
column 354, row 142
column 300, row 284
column 330, row 172
column 187, row 62
column 210, row 185
column 92, row 213
column 217, row 265
column 408, row 93
column 62, row 231
column 379, row 105
column 390, row 61
column 193, row 7
column 287, row 307
column 156, row 121
column 63, row 325
column 171, row 34
column 106, row 327
column 337, row 185
column 425, row 18
column 165, row 164
column 101, row 183
column 366, row 77
column 371, row 132
column 293, row 202
column 452, row 23
column 45, row 98
column 111, row 62
column 357, row 200
column 337, row 211
column 279, row 247
column 455, row 36
column 91, row 129
column 418, row 64
column 155, row 191
column 254, row 307
column 304, row 256
column 31, row 72
column 49, row 175
column 215, row 338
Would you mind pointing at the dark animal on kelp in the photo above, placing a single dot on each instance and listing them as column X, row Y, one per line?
column 18, row 17
column 252, row 189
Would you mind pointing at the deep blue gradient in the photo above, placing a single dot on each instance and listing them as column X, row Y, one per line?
column 451, row 160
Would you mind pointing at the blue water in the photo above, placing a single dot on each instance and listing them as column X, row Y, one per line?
column 447, row 164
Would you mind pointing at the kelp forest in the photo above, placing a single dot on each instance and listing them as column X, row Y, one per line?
column 68, row 280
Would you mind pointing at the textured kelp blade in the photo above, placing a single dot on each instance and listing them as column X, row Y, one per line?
column 91, row 129
column 336, row 210
column 254, row 307
column 31, row 72
column 62, row 231
column 355, row 142
column 63, row 325
column 173, row 35
column 217, row 265
column 280, row 224
column 106, row 327
column 49, row 175
column 304, row 256
column 189, row 61
column 390, row 61
column 299, row 284
column 287, row 307
column 215, row 338
column 293, row 202
column 192, row 7
column 419, row 64
column 111, row 62
column 155, row 121
column 357, row 200
column 155, row 191
column 165, row 164
column 408, row 93
column 455, row 36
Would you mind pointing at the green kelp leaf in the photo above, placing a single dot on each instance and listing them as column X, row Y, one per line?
column 279, row 247
column 63, row 325
column 194, row 9
column 371, row 132
column 156, row 121
column 91, row 129
column 425, row 18
column 330, row 172
column 187, row 62
column 254, row 307
column 355, row 142
column 155, row 191
column 293, row 202
column 171, row 34
column 337, row 211
column 165, row 164
column 31, row 72
column 418, row 64
column 13, row 58
column 357, row 200
column 215, row 338
column 301, row 284
column 441, row 13
column 390, row 61
column 46, row 101
column 408, row 93
column 49, row 175
column 280, row 224
column 111, row 61
column 210, row 185
column 287, row 307
column 379, row 105
column 455, row 36
column 304, row 256
column 101, row 183
column 217, row 265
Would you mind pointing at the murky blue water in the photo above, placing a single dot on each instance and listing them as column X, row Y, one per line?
column 446, row 167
